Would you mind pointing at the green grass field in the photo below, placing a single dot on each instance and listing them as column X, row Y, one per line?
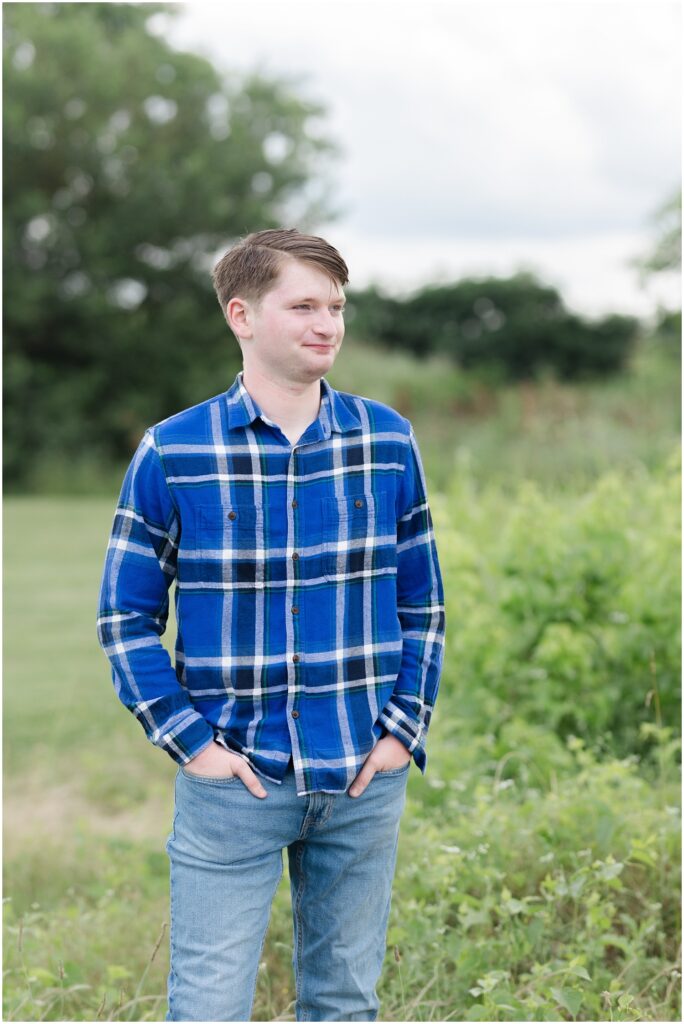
column 538, row 874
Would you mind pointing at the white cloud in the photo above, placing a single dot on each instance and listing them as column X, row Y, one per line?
column 593, row 274
column 545, row 131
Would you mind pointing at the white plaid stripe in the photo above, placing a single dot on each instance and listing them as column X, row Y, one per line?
column 311, row 656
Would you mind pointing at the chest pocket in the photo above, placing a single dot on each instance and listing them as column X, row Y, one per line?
column 229, row 539
column 360, row 537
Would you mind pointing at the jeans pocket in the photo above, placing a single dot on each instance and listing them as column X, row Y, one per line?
column 394, row 771
column 209, row 780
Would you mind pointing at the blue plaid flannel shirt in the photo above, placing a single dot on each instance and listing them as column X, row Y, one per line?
column 308, row 595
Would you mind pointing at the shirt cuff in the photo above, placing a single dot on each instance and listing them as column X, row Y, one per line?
column 187, row 738
column 407, row 729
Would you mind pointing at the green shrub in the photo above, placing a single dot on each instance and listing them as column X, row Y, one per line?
column 517, row 325
column 565, row 611
column 531, row 901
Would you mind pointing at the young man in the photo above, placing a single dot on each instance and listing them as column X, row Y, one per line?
column 294, row 521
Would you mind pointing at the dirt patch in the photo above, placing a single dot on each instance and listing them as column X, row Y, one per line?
column 36, row 813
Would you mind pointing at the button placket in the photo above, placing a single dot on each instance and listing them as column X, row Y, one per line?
column 291, row 595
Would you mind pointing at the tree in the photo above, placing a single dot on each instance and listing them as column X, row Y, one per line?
column 667, row 250
column 666, row 256
column 128, row 166
column 517, row 325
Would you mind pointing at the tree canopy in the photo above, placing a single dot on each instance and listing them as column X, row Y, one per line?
column 517, row 326
column 128, row 167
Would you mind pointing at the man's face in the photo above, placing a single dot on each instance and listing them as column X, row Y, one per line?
column 295, row 332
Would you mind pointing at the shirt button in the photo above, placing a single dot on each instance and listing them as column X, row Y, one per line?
column 231, row 515
column 358, row 503
column 295, row 609
column 294, row 504
column 295, row 714
column 295, row 556
column 295, row 657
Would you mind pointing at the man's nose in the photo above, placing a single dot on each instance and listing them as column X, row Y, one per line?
column 325, row 325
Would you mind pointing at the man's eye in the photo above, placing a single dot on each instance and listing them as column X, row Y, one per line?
column 303, row 305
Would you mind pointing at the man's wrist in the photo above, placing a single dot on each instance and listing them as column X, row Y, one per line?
column 207, row 748
column 395, row 744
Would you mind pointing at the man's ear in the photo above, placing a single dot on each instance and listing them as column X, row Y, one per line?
column 238, row 317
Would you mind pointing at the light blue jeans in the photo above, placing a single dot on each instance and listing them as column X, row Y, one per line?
column 226, row 853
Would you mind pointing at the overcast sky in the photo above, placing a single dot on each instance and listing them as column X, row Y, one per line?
column 480, row 137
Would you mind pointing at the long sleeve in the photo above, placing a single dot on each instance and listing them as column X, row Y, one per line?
column 420, row 608
column 140, row 567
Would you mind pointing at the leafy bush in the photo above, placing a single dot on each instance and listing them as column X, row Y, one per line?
column 520, row 901
column 565, row 611
column 515, row 325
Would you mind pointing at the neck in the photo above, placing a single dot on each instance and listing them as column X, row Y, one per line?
column 284, row 402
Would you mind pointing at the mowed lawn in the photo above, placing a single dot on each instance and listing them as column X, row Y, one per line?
column 62, row 717
column 73, row 755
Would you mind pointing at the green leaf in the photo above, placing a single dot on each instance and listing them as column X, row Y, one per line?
column 580, row 972
column 569, row 998
column 514, row 906
column 471, row 917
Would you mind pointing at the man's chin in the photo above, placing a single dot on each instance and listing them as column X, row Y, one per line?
column 317, row 368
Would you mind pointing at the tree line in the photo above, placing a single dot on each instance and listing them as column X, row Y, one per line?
column 129, row 167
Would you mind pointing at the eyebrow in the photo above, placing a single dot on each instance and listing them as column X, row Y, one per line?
column 342, row 299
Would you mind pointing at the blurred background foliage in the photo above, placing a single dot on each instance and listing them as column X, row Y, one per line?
column 517, row 326
column 128, row 167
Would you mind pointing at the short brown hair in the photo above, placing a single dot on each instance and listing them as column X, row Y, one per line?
column 252, row 266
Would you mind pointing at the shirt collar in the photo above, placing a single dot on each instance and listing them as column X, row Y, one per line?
column 334, row 414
